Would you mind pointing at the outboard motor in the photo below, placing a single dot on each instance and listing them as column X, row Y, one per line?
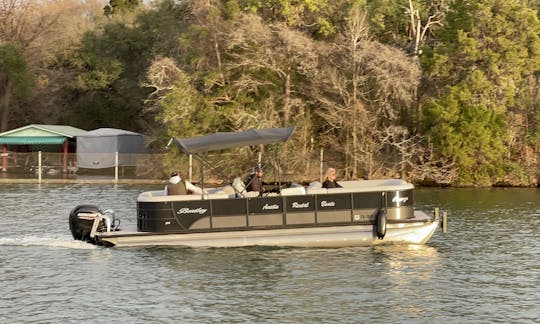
column 87, row 220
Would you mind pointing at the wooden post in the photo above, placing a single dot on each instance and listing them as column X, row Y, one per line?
column 115, row 167
column 64, row 155
column 39, row 167
column 4, row 158
column 444, row 223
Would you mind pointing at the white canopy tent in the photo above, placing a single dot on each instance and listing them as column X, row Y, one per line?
column 100, row 148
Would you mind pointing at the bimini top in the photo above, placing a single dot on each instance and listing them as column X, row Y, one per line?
column 225, row 140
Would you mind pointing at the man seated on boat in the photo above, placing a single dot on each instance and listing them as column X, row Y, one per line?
column 330, row 181
column 178, row 186
column 254, row 180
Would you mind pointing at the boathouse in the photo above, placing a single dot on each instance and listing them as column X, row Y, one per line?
column 37, row 137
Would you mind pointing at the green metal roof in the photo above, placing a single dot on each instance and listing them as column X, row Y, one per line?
column 39, row 134
column 44, row 130
column 32, row 140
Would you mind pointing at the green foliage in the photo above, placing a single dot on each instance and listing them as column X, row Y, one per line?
column 13, row 67
column 470, row 132
column 16, row 82
column 109, row 66
column 185, row 111
column 391, row 21
column 238, row 64
column 486, row 50
column 119, row 7
column 317, row 17
column 388, row 20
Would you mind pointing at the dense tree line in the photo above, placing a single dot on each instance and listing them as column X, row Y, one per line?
column 441, row 91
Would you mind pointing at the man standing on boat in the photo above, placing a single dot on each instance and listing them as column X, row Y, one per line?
column 254, row 180
column 177, row 186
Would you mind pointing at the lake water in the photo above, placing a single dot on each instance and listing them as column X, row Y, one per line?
column 485, row 270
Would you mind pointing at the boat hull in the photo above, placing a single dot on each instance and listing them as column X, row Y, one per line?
column 362, row 213
column 415, row 231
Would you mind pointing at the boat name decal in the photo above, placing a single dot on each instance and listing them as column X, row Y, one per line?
column 325, row 203
column 300, row 205
column 274, row 206
column 400, row 200
column 199, row 211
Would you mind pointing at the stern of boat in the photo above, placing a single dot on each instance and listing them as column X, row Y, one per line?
column 417, row 230
column 86, row 221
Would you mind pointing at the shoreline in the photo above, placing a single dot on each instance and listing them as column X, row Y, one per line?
column 83, row 181
column 101, row 181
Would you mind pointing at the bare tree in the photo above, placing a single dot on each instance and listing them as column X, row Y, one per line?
column 162, row 77
column 271, row 56
column 361, row 93
column 43, row 30
column 418, row 29
column 273, row 63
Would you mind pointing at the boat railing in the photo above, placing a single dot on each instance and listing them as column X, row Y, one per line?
column 372, row 183
column 160, row 195
column 369, row 189
column 314, row 188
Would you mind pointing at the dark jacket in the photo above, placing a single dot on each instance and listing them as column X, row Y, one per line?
column 254, row 183
column 331, row 184
column 176, row 188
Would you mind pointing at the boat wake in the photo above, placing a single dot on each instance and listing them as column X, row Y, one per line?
column 63, row 242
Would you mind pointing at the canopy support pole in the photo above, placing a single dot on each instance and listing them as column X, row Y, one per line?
column 190, row 168
column 207, row 164
column 115, row 167
column 321, row 165
column 202, row 180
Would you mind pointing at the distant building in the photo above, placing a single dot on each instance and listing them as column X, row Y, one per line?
column 36, row 137
column 98, row 149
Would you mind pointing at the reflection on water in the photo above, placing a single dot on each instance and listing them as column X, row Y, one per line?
column 484, row 270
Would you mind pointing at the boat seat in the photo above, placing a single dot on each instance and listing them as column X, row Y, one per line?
column 239, row 187
column 213, row 190
column 228, row 189
column 371, row 183
column 161, row 196
column 183, row 197
column 315, row 184
column 293, row 191
column 316, row 191
column 217, row 196
column 155, row 193
column 316, row 188
column 250, row 194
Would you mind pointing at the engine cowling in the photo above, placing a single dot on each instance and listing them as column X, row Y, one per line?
column 81, row 222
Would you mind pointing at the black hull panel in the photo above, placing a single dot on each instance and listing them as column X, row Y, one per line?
column 355, row 208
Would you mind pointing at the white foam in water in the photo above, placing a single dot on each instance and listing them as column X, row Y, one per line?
column 55, row 242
